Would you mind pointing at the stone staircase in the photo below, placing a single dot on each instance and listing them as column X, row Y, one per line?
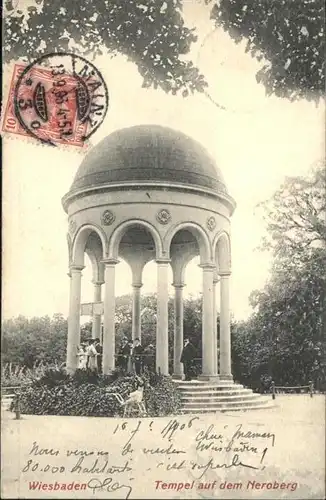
column 205, row 397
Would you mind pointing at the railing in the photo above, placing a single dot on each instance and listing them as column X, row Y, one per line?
column 197, row 362
column 276, row 388
column 15, row 396
column 12, row 388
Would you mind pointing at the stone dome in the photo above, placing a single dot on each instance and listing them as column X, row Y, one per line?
column 151, row 154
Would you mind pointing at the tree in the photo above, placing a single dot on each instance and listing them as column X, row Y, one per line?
column 192, row 320
column 26, row 341
column 287, row 34
column 150, row 33
column 283, row 339
column 289, row 324
column 29, row 341
column 295, row 218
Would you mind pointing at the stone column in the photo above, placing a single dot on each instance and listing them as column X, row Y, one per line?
column 136, row 317
column 97, row 318
column 225, row 333
column 215, row 281
column 74, row 318
column 109, row 317
column 178, row 330
column 162, row 338
column 208, row 371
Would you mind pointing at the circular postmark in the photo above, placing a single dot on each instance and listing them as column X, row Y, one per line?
column 61, row 98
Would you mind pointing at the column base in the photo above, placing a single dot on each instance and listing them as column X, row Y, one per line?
column 208, row 378
column 159, row 372
column 109, row 372
column 177, row 376
column 228, row 378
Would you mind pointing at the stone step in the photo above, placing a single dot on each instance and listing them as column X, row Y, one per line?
column 231, row 391
column 224, row 404
column 194, row 387
column 204, row 383
column 205, row 400
column 219, row 404
column 198, row 396
column 198, row 381
column 213, row 393
column 226, row 409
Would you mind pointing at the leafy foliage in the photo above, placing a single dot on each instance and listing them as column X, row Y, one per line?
column 161, row 396
column 86, row 394
column 283, row 340
column 295, row 217
column 288, row 34
column 16, row 375
column 29, row 341
column 150, row 33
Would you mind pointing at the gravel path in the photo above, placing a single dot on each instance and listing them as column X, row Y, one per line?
column 271, row 453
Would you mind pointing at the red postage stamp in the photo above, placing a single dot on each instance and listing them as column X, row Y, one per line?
column 56, row 101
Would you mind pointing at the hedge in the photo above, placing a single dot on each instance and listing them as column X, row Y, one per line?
column 89, row 395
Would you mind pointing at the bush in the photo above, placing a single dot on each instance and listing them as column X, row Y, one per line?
column 87, row 394
column 16, row 375
column 52, row 377
column 162, row 398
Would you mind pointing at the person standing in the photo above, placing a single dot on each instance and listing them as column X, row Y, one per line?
column 82, row 357
column 137, row 354
column 129, row 350
column 124, row 353
column 91, row 356
column 149, row 358
column 99, row 350
column 187, row 358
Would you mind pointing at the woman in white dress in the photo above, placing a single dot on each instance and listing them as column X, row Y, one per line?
column 82, row 357
column 91, row 356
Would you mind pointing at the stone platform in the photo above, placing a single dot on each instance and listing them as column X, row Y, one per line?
column 206, row 397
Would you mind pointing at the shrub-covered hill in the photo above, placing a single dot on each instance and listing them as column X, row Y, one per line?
column 89, row 395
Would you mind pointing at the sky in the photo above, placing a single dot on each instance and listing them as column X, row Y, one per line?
column 256, row 141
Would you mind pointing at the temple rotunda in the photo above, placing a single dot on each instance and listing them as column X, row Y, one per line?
column 151, row 193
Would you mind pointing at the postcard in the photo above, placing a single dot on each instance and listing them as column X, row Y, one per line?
column 163, row 250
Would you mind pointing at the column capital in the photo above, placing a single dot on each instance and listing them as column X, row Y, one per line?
column 162, row 261
column 97, row 283
column 75, row 269
column 136, row 285
column 207, row 267
column 216, row 280
column 178, row 285
column 224, row 274
column 110, row 262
